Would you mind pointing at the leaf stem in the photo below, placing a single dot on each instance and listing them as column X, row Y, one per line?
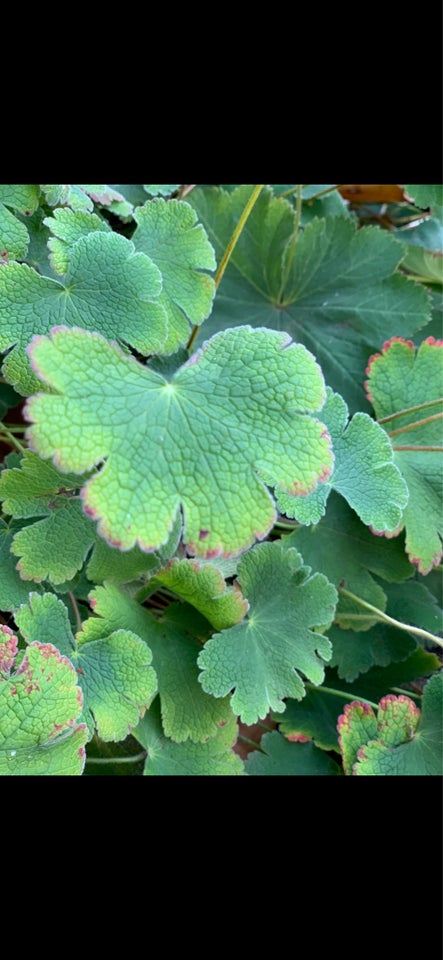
column 405, row 693
column 402, row 413
column 415, row 425
column 13, row 440
column 393, row 623
column 251, row 743
column 135, row 758
column 413, row 447
column 293, row 244
column 76, row 610
column 230, row 247
column 340, row 693
column 186, row 190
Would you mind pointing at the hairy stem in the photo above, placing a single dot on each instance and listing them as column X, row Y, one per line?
column 402, row 413
column 416, row 424
column 393, row 623
column 230, row 247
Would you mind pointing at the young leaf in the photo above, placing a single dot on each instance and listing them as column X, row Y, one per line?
column 67, row 227
column 363, row 474
column 114, row 673
column 40, row 705
column 168, row 233
column 401, row 378
column 342, row 548
column 400, row 741
column 284, row 759
column 205, row 588
column 55, row 547
column 167, row 759
column 234, row 417
column 187, row 711
column 408, row 744
column 261, row 659
column 342, row 292
column 108, row 287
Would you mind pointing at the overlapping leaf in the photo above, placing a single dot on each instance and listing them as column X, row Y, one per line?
column 167, row 232
column 234, row 417
column 81, row 197
column 205, row 588
column 363, row 474
column 187, row 711
column 67, row 226
column 263, row 658
column 342, row 293
column 346, row 551
column 400, row 740
column 401, row 378
column 284, row 759
column 14, row 236
column 40, row 706
column 423, row 246
column 114, row 672
column 108, row 287
column 425, row 195
column 168, row 759
column 13, row 590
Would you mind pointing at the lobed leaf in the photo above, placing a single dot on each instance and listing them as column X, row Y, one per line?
column 205, row 588
column 40, row 704
column 168, row 233
column 262, row 658
column 401, row 378
column 232, row 418
column 108, row 287
column 364, row 472
column 67, row 226
column 425, row 195
column 342, row 292
column 114, row 672
column 14, row 237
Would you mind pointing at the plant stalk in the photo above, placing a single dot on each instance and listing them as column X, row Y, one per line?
column 392, row 622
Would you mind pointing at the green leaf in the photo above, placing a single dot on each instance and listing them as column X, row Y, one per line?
column 414, row 603
column 284, row 759
column 261, row 659
column 114, row 672
column 342, row 548
column 425, row 195
column 400, row 741
column 342, row 292
column 14, row 237
column 405, row 747
column 40, row 705
column 234, row 417
column 363, row 474
column 314, row 717
column 67, row 227
column 38, row 253
column 81, row 197
column 379, row 680
column 205, row 588
column 187, row 711
column 164, row 189
column 108, row 287
column 55, row 547
column 423, row 246
column 13, row 590
column 168, row 233
column 22, row 197
column 399, row 378
column 167, row 759
column 356, row 652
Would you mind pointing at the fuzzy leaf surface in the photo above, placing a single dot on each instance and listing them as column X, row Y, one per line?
column 187, row 711
column 109, row 287
column 407, row 744
column 22, row 197
column 232, row 418
column 168, row 232
column 345, row 550
column 364, row 472
column 205, row 588
column 166, row 758
column 399, row 378
column 284, row 759
column 14, row 237
column 67, row 226
column 114, row 672
column 342, row 293
column 263, row 657
column 40, row 705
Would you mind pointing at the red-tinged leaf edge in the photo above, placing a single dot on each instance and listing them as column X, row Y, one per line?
column 8, row 649
column 431, row 341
